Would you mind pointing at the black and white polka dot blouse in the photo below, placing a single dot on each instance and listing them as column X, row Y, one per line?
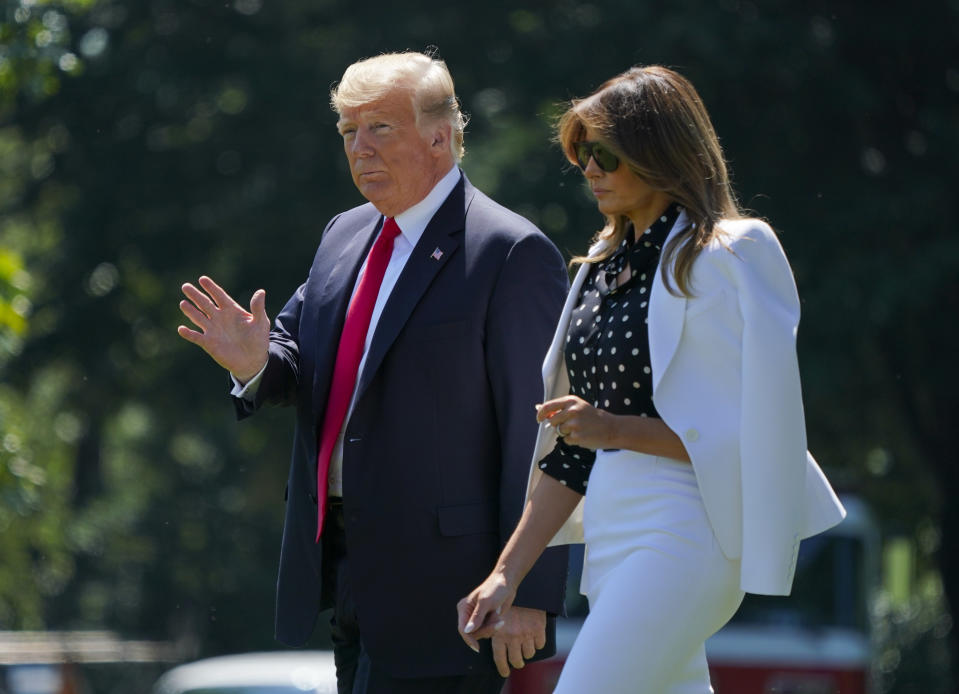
column 607, row 344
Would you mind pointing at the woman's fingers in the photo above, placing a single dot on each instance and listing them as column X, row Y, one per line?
column 549, row 409
column 465, row 613
column 477, row 620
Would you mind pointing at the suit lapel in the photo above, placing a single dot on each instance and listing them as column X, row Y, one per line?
column 666, row 315
column 327, row 305
column 444, row 233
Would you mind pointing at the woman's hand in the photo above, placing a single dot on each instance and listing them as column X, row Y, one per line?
column 578, row 422
column 481, row 612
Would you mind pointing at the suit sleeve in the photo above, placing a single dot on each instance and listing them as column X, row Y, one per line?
column 278, row 384
column 772, row 427
column 522, row 316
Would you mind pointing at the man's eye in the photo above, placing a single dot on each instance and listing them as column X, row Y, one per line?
column 348, row 132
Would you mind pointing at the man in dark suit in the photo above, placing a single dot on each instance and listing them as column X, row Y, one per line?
column 412, row 354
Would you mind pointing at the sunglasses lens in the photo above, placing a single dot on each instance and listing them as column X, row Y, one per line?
column 607, row 161
column 583, row 153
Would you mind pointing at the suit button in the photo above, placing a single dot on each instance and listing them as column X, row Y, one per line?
column 312, row 497
column 692, row 435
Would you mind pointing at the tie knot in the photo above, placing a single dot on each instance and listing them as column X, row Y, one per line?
column 390, row 229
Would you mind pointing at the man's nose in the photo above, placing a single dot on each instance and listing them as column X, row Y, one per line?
column 362, row 145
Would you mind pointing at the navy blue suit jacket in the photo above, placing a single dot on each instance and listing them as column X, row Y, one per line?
column 437, row 448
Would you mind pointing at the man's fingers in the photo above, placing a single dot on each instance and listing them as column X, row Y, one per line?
column 529, row 650
column 515, row 652
column 540, row 639
column 499, row 657
column 221, row 298
column 201, row 300
column 200, row 319
column 190, row 335
column 258, row 306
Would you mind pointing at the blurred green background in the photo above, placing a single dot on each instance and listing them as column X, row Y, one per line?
column 145, row 142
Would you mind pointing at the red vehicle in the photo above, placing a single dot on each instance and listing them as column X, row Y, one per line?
column 816, row 641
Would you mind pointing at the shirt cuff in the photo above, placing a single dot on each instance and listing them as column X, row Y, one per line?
column 248, row 391
column 569, row 465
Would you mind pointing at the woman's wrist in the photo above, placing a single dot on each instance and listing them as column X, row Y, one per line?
column 616, row 427
column 507, row 578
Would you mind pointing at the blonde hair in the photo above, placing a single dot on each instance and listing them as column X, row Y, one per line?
column 426, row 78
column 654, row 120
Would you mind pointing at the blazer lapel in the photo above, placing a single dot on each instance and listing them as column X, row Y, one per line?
column 553, row 364
column 444, row 232
column 666, row 315
column 326, row 307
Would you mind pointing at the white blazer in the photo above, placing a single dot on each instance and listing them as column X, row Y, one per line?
column 726, row 380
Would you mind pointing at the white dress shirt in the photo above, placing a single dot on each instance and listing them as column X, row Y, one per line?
column 412, row 224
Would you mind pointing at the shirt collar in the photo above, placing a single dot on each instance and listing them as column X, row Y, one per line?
column 646, row 247
column 413, row 221
column 658, row 231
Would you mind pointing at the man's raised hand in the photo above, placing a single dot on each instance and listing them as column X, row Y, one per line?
column 237, row 339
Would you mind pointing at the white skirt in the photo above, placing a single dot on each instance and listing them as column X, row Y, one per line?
column 657, row 582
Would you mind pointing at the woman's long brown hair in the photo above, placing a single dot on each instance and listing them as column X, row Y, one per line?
column 654, row 120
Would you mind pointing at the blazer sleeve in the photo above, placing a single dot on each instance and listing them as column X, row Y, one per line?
column 522, row 316
column 278, row 384
column 773, row 430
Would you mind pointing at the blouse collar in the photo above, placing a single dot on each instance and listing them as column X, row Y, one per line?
column 637, row 251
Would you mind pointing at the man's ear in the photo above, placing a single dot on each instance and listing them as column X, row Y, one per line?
column 440, row 137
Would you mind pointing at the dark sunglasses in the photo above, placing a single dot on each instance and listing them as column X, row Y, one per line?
column 605, row 159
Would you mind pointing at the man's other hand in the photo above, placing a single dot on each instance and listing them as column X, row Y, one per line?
column 522, row 634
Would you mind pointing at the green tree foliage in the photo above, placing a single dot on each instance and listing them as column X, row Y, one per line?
column 144, row 143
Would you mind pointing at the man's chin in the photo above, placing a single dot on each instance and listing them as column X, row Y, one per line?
column 373, row 188
column 379, row 195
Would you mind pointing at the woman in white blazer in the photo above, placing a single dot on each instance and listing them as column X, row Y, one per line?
column 672, row 438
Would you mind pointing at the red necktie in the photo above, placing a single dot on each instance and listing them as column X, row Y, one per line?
column 348, row 357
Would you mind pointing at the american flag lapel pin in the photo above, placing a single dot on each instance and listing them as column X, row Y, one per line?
column 437, row 254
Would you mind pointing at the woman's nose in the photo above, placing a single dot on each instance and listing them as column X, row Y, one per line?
column 592, row 169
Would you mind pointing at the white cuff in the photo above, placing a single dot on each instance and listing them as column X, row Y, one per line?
column 248, row 391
